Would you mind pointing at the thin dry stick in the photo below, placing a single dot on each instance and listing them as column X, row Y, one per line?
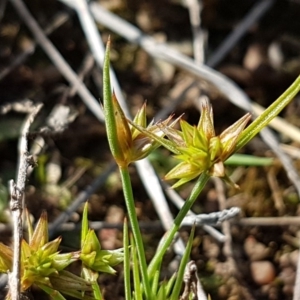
column 227, row 248
column 23, row 106
column 276, row 192
column 17, row 203
column 192, row 283
column 20, row 58
column 57, row 59
column 179, row 202
column 151, row 225
column 97, row 46
column 297, row 283
column 269, row 221
column 251, row 18
column 61, row 115
column 83, row 71
column 292, row 151
column 195, row 8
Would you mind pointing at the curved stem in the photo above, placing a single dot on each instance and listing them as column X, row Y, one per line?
column 201, row 182
column 127, row 190
column 269, row 114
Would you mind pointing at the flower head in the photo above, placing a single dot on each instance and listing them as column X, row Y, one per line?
column 132, row 144
column 127, row 143
column 40, row 259
column 198, row 147
column 92, row 256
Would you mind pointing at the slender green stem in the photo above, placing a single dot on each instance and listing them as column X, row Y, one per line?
column 269, row 114
column 127, row 284
column 182, row 267
column 127, row 190
column 201, row 182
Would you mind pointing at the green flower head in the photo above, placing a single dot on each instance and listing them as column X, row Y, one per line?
column 198, row 147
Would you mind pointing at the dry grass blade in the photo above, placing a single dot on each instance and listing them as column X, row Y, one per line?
column 257, row 12
column 195, row 9
column 57, row 58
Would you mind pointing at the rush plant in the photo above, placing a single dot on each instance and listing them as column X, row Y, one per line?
column 44, row 266
column 201, row 154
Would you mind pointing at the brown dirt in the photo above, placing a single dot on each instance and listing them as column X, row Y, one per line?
column 82, row 152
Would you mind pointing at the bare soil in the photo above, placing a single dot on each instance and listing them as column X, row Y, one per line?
column 262, row 260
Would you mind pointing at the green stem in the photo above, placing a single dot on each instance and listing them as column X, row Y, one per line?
column 201, row 182
column 126, row 264
column 127, row 190
column 269, row 114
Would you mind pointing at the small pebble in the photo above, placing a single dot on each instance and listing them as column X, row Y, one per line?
column 255, row 250
column 263, row 272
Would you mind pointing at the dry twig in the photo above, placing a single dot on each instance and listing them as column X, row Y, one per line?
column 276, row 193
column 195, row 8
column 17, row 202
column 57, row 58
column 58, row 20
column 192, row 283
column 250, row 19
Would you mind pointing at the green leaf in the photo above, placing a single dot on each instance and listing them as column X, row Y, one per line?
column 154, row 282
column 183, row 263
column 162, row 295
column 171, row 283
column 85, row 224
column 269, row 114
column 126, row 246
column 55, row 295
column 249, row 160
column 162, row 141
column 136, row 273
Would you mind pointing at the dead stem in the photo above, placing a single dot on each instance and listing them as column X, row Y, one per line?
column 17, row 202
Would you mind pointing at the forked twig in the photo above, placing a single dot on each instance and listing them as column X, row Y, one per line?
column 57, row 59
column 17, row 202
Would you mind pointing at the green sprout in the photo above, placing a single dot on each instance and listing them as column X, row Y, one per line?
column 202, row 153
column 42, row 264
column 92, row 256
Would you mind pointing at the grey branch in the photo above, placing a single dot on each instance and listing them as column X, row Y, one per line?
column 214, row 218
column 17, row 202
